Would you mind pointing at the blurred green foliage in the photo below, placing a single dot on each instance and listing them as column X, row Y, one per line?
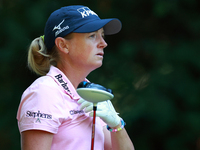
column 152, row 66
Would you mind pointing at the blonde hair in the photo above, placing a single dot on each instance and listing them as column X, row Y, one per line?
column 39, row 61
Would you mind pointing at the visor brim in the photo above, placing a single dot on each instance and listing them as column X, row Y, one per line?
column 111, row 26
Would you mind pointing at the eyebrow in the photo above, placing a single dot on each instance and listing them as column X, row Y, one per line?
column 98, row 31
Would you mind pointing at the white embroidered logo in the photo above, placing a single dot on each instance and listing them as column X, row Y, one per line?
column 58, row 26
column 60, row 30
column 85, row 12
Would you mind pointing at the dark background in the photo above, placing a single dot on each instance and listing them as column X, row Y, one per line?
column 152, row 66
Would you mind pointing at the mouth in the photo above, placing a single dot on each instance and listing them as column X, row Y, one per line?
column 100, row 54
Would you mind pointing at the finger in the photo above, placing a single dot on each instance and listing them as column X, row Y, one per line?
column 85, row 104
column 98, row 114
column 88, row 109
column 102, row 106
column 80, row 101
column 111, row 107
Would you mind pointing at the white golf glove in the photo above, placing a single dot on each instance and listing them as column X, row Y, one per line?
column 105, row 111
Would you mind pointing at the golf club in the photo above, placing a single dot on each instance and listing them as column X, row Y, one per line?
column 94, row 93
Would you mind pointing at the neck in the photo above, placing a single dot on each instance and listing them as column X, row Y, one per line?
column 74, row 74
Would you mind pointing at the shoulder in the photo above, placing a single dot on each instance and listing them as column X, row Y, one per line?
column 43, row 90
column 43, row 94
column 44, row 81
column 42, row 85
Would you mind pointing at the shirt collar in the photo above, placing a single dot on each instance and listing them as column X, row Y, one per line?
column 62, row 80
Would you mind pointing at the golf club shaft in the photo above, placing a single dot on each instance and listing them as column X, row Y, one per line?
column 93, row 125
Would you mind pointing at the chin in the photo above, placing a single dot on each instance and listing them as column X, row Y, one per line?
column 97, row 66
column 100, row 64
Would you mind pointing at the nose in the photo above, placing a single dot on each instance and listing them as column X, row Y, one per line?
column 102, row 43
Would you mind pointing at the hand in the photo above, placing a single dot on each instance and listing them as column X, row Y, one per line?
column 105, row 111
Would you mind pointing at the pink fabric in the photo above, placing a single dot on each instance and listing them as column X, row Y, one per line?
column 46, row 105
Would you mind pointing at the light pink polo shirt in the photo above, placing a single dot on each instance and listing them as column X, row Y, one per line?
column 50, row 104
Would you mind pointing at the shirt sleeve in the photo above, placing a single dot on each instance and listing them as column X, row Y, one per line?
column 42, row 108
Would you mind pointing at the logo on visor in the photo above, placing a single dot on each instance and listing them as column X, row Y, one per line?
column 85, row 12
column 60, row 30
column 58, row 26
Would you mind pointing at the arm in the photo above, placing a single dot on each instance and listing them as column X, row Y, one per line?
column 36, row 140
column 117, row 140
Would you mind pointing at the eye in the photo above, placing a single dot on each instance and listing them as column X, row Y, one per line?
column 103, row 36
column 92, row 35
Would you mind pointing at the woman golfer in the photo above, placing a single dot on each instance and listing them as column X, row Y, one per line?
column 51, row 114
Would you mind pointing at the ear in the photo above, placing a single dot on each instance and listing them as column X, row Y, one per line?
column 62, row 44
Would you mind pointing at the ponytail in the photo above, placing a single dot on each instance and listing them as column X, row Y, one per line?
column 38, row 59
